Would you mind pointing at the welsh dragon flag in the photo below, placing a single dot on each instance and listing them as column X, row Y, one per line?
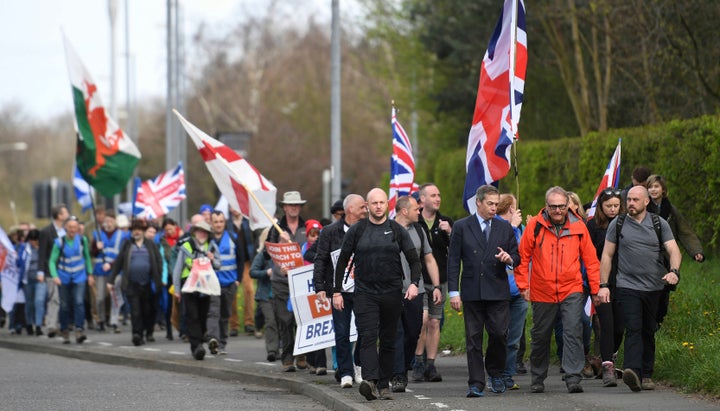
column 106, row 157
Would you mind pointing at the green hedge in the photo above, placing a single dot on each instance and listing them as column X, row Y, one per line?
column 686, row 153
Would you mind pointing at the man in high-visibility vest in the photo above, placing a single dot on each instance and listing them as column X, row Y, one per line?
column 196, row 304
column 69, row 266
column 229, row 277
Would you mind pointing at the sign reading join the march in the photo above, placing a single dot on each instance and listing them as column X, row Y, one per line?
column 315, row 328
column 286, row 255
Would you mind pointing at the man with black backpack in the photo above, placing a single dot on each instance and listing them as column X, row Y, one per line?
column 641, row 278
column 377, row 243
column 407, row 214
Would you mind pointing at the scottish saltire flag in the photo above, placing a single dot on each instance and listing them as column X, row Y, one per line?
column 156, row 197
column 611, row 178
column 402, row 165
column 83, row 192
column 235, row 177
column 498, row 104
column 106, row 156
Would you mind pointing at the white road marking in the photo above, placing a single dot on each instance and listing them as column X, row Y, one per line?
column 176, row 353
column 105, row 344
column 152, row 349
column 233, row 360
column 265, row 363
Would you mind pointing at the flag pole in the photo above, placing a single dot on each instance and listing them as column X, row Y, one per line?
column 513, row 120
column 259, row 204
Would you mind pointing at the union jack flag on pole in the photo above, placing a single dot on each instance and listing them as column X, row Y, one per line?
column 402, row 165
column 498, row 104
column 156, row 197
column 611, row 178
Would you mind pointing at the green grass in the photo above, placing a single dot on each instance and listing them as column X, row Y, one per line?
column 687, row 346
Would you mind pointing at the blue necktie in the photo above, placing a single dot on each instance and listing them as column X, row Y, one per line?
column 487, row 230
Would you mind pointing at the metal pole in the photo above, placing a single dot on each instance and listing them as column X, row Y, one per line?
column 170, row 145
column 335, row 112
column 112, row 11
column 129, row 112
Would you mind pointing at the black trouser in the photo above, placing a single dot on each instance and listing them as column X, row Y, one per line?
column 317, row 359
column 639, row 309
column 196, row 310
column 142, row 308
column 285, row 321
column 408, row 332
column 663, row 304
column 376, row 316
column 612, row 326
column 493, row 316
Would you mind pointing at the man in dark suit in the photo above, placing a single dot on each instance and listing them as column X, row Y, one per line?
column 483, row 245
column 48, row 235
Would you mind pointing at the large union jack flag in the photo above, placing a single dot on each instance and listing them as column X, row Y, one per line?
column 498, row 104
column 156, row 197
column 402, row 165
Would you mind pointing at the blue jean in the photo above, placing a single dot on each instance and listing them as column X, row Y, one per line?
column 35, row 293
column 72, row 293
column 518, row 312
column 343, row 347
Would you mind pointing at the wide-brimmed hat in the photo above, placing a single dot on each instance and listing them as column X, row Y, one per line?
column 201, row 225
column 292, row 197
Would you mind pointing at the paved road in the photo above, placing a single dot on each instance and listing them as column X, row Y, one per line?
column 245, row 365
column 35, row 381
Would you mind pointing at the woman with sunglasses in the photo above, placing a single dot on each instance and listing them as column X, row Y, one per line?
column 681, row 229
column 609, row 206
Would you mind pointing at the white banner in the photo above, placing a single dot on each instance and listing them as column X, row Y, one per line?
column 315, row 328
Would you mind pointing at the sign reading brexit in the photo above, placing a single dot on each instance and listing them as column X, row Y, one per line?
column 315, row 328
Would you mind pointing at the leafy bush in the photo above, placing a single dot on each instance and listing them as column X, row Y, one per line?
column 686, row 153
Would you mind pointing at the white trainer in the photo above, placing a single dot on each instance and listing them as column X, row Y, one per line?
column 358, row 374
column 346, row 382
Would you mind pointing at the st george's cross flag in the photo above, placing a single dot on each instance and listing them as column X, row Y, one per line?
column 611, row 178
column 402, row 165
column 158, row 196
column 498, row 104
column 106, row 156
column 235, row 177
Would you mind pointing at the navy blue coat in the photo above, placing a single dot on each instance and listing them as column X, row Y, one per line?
column 483, row 276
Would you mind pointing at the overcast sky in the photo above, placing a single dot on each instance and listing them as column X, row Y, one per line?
column 33, row 72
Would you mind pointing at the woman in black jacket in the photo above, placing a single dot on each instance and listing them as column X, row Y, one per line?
column 609, row 206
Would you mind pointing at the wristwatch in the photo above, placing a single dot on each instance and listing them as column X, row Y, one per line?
column 436, row 287
column 676, row 271
column 604, row 285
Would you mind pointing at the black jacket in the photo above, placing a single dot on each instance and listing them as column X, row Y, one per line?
column 331, row 238
column 122, row 263
column 47, row 239
column 440, row 243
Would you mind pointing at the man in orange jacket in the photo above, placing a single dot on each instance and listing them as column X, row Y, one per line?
column 554, row 246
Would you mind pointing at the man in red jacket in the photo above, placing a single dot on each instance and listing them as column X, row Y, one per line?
column 555, row 244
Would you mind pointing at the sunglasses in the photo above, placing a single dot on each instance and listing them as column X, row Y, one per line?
column 612, row 192
column 557, row 206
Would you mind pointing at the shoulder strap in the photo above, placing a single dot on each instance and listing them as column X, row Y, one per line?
column 618, row 227
column 421, row 234
column 658, row 229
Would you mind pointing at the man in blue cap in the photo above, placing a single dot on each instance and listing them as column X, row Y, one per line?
column 206, row 211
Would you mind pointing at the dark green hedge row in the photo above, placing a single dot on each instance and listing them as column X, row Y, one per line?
column 686, row 153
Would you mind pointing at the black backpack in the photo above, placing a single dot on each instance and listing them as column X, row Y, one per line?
column 662, row 255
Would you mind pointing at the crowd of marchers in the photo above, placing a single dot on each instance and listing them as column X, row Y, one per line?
column 593, row 282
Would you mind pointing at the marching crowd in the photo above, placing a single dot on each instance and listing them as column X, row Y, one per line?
column 394, row 275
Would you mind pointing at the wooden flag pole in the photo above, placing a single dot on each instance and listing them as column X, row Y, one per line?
column 239, row 180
